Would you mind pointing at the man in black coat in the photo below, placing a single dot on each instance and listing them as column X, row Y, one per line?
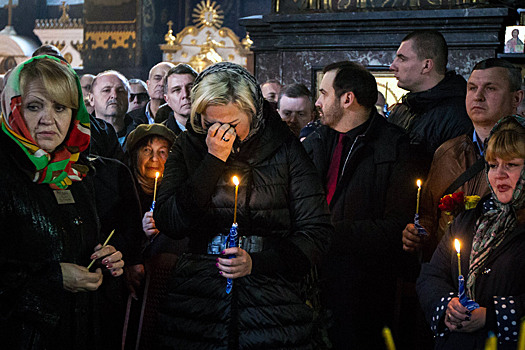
column 110, row 97
column 434, row 109
column 363, row 160
column 177, row 93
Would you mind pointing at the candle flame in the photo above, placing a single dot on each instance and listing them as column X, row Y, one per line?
column 157, row 174
column 235, row 180
column 457, row 245
column 418, row 183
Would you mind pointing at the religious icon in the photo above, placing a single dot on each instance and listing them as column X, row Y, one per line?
column 514, row 37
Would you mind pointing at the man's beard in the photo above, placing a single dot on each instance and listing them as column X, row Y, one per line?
column 332, row 116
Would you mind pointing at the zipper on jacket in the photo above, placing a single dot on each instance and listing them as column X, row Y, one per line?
column 348, row 155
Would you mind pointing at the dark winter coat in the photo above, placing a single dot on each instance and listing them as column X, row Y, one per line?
column 37, row 234
column 281, row 200
column 373, row 201
column 171, row 124
column 500, row 288
column 433, row 116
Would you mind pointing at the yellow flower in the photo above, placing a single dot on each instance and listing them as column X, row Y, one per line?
column 471, row 202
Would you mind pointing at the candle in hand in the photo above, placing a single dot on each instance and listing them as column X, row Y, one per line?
column 418, row 183
column 236, row 182
column 458, row 246
column 157, row 174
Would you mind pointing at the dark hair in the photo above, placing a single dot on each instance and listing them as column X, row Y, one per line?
column 295, row 90
column 181, row 68
column 354, row 77
column 514, row 72
column 430, row 44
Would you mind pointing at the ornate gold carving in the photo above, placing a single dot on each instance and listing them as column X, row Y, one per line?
column 109, row 40
column 55, row 24
column 69, row 57
column 207, row 14
column 65, row 17
column 208, row 55
column 169, row 38
column 247, row 42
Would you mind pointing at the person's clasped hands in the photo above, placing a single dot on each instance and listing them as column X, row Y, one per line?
column 76, row 278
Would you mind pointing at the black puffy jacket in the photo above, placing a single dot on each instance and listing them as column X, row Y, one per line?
column 280, row 199
column 433, row 116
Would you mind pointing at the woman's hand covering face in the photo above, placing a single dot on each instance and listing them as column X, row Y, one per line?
column 224, row 124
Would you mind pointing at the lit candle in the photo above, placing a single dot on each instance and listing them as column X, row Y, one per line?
column 103, row 245
column 235, row 180
column 157, row 174
column 457, row 245
column 418, row 183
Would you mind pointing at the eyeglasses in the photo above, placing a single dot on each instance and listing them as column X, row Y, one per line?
column 141, row 96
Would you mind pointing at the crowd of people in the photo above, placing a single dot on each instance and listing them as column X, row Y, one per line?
column 285, row 221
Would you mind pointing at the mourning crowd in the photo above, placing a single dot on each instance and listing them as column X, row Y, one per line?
column 210, row 211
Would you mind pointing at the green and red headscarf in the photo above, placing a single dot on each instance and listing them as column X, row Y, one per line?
column 58, row 168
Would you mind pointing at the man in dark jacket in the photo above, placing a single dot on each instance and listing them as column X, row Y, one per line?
column 110, row 97
column 177, row 93
column 155, row 84
column 363, row 160
column 494, row 91
column 434, row 109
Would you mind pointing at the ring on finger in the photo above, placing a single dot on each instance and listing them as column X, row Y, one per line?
column 225, row 139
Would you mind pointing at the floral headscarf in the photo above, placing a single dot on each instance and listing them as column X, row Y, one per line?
column 493, row 225
column 58, row 168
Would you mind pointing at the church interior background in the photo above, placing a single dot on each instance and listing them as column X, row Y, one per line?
column 287, row 40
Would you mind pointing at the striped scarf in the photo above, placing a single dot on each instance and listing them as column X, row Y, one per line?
column 58, row 168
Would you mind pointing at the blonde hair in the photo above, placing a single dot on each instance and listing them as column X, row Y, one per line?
column 219, row 89
column 508, row 142
column 58, row 81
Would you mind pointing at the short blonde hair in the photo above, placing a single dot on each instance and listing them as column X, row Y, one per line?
column 58, row 81
column 219, row 89
column 507, row 142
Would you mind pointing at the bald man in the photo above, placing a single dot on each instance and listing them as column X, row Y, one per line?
column 155, row 84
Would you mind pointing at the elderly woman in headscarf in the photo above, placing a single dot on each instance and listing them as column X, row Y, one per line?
column 492, row 238
column 48, row 297
column 147, row 149
column 281, row 214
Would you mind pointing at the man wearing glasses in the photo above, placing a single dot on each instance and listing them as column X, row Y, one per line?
column 138, row 94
